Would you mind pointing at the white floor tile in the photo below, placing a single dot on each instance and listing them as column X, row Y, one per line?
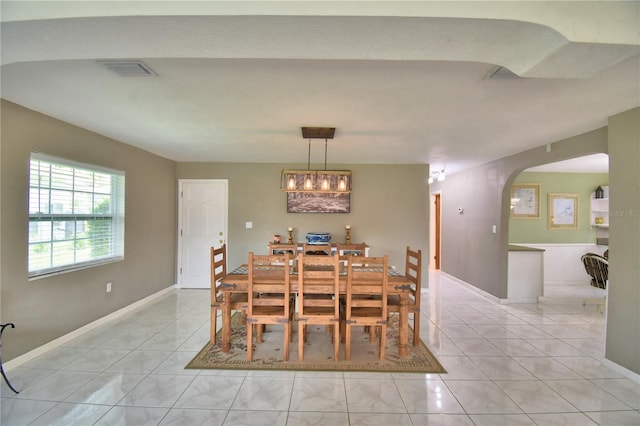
column 264, row 393
column 320, row 394
column 68, row 414
column 18, row 412
column 210, row 392
column 431, row 396
column 482, row 397
column 106, row 389
column 586, row 396
column 132, row 416
column 182, row 417
column 373, row 396
column 517, row 364
column 256, row 418
column 157, row 391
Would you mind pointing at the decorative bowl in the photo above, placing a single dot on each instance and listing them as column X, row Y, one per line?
column 318, row 238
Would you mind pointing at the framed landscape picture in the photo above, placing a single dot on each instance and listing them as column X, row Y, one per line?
column 314, row 202
column 525, row 201
column 562, row 210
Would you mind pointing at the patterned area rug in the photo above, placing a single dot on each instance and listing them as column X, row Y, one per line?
column 318, row 352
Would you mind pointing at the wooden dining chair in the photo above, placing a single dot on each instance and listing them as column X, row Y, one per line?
column 239, row 301
column 366, row 301
column 318, row 297
column 317, row 249
column 269, row 297
column 351, row 249
column 292, row 249
column 412, row 271
column 346, row 250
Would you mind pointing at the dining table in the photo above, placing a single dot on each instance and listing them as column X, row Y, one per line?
column 236, row 281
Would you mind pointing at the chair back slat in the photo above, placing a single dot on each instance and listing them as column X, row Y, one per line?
column 413, row 272
column 218, row 263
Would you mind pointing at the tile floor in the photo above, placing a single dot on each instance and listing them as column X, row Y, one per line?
column 521, row 364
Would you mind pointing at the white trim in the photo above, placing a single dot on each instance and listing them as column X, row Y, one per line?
column 634, row 377
column 473, row 288
column 18, row 361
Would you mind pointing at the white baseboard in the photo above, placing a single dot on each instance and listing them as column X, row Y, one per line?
column 473, row 288
column 491, row 296
column 634, row 377
column 16, row 362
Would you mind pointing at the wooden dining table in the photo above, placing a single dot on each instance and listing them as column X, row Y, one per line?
column 236, row 281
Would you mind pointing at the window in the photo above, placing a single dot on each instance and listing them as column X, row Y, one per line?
column 76, row 215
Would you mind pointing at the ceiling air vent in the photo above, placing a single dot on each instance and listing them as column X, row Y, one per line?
column 129, row 68
column 501, row 73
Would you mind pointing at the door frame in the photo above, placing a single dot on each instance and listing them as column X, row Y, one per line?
column 435, row 230
column 180, row 218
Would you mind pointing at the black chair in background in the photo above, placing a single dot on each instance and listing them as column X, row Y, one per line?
column 598, row 269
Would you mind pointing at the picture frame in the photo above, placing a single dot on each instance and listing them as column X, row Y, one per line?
column 562, row 210
column 525, row 201
column 317, row 202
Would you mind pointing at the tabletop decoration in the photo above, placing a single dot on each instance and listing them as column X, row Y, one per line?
column 318, row 238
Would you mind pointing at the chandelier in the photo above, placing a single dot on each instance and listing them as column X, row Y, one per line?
column 322, row 181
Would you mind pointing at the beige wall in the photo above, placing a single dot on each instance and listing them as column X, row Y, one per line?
column 48, row 308
column 623, row 310
column 389, row 208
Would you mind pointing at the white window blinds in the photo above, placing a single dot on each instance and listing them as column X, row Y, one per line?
column 76, row 215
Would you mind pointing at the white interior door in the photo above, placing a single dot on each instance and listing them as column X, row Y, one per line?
column 202, row 225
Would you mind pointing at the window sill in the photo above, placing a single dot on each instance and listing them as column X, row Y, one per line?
column 50, row 273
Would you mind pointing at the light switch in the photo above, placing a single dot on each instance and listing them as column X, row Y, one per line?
column 248, row 225
column 495, row 229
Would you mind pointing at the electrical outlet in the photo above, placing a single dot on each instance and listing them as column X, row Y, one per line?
column 108, row 287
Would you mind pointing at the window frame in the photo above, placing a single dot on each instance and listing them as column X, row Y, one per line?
column 75, row 222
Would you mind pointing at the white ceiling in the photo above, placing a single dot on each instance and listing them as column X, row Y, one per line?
column 235, row 83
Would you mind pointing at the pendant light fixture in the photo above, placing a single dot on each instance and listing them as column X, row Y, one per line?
column 319, row 181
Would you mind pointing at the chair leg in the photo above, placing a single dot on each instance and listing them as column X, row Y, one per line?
column 383, row 340
column 287, row 327
column 372, row 333
column 301, row 337
column 214, row 314
column 336, row 341
column 347, row 338
column 249, row 342
column 260, row 328
column 416, row 328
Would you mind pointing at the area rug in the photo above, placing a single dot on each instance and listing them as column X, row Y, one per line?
column 318, row 352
